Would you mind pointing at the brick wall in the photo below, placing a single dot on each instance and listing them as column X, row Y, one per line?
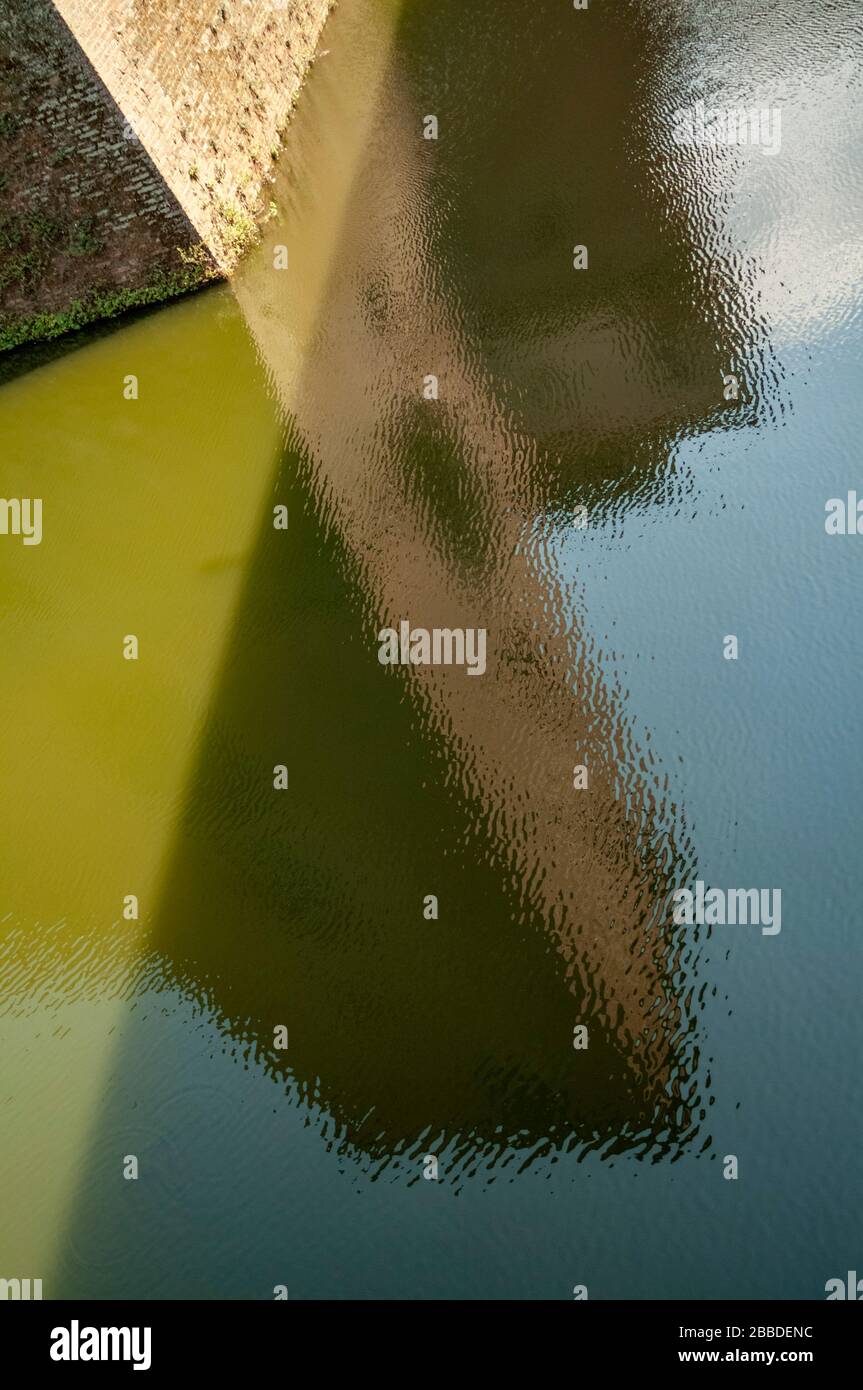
column 132, row 130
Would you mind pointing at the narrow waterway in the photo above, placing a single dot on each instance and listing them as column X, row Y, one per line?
column 610, row 470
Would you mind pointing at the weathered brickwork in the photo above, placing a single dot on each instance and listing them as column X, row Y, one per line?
column 136, row 137
column 208, row 86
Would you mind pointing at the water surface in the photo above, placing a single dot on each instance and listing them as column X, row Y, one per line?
column 559, row 390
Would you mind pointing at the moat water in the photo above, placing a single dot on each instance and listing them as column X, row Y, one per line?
column 610, row 470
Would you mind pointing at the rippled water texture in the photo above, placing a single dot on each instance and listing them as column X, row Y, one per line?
column 564, row 396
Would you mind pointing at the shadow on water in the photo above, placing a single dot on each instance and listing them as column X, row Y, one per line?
column 305, row 907
column 29, row 357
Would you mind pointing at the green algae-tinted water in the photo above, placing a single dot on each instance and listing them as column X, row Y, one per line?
column 562, row 396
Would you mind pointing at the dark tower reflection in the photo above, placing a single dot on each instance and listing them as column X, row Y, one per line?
column 557, row 389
